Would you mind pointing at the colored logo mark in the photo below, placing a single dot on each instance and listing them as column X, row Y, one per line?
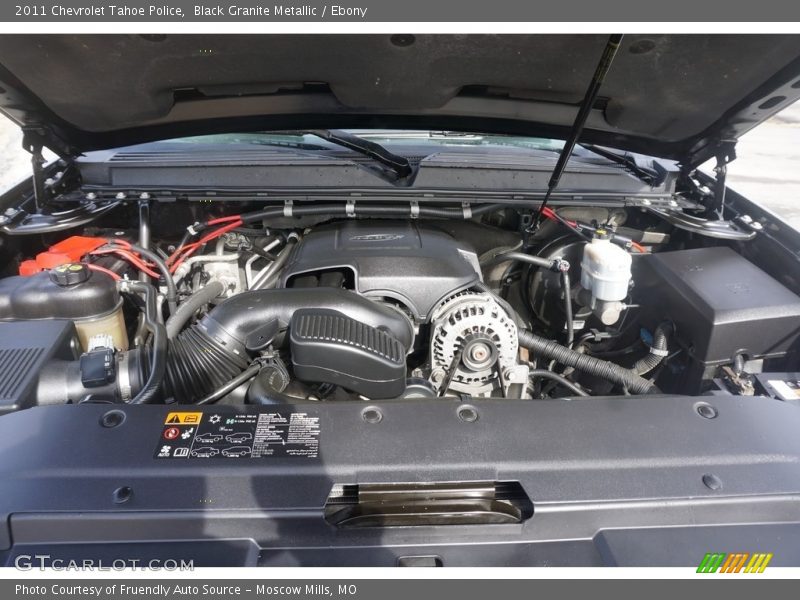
column 737, row 562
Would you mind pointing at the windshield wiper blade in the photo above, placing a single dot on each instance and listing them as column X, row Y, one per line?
column 649, row 176
column 398, row 164
column 580, row 119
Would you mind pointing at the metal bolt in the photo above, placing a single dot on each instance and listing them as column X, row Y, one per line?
column 144, row 196
column 120, row 196
column 467, row 413
column 372, row 415
column 479, row 352
column 646, row 202
column 706, row 410
column 746, row 219
column 757, row 226
column 509, row 375
column 673, row 203
column 91, row 196
column 49, row 181
column 437, row 376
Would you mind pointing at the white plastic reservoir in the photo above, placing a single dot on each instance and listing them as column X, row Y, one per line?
column 605, row 270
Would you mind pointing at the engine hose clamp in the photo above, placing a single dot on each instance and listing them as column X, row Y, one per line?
column 414, row 209
column 467, row 208
column 124, row 377
column 659, row 352
column 191, row 228
column 350, row 208
column 288, row 208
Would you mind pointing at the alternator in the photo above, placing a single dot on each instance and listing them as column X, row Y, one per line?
column 474, row 345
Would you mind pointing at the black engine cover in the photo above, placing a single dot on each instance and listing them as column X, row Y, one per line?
column 415, row 265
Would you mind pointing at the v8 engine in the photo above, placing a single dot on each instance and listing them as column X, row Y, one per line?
column 284, row 306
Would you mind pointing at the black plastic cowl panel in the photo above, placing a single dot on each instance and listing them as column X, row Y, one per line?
column 411, row 264
column 329, row 347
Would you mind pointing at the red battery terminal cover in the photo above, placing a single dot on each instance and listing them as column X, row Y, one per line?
column 66, row 251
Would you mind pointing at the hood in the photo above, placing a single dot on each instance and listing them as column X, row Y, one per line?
column 672, row 96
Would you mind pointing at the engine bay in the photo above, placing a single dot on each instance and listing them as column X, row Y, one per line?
column 316, row 303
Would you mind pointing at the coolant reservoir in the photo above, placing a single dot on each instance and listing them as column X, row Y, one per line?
column 71, row 292
column 605, row 270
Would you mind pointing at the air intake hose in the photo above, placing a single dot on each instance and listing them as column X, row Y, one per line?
column 206, row 356
column 588, row 364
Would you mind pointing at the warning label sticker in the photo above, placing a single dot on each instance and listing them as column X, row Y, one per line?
column 231, row 435
column 183, row 418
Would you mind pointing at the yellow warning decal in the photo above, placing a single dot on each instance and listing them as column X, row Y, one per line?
column 183, row 418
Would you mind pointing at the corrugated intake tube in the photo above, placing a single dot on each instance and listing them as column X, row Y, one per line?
column 205, row 357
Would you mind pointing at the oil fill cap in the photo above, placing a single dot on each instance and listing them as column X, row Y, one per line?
column 70, row 274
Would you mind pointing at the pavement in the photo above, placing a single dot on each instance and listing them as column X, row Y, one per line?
column 766, row 171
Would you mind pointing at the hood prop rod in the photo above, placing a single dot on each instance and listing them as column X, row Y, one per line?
column 34, row 146
column 580, row 119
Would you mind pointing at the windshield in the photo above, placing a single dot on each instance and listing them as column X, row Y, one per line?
column 384, row 137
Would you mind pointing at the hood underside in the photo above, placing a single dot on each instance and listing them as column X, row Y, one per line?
column 675, row 96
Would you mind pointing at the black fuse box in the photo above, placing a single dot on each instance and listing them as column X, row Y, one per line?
column 721, row 305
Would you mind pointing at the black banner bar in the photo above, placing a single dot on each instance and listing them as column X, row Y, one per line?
column 351, row 11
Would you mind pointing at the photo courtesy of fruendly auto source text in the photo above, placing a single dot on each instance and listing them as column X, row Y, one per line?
column 365, row 300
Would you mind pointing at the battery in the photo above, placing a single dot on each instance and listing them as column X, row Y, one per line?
column 783, row 386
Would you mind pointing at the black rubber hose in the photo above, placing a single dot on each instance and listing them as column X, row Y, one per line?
column 234, row 383
column 588, row 364
column 545, row 374
column 172, row 291
column 274, row 269
column 520, row 257
column 658, row 351
column 158, row 352
column 198, row 365
column 263, row 391
column 566, row 287
column 192, row 304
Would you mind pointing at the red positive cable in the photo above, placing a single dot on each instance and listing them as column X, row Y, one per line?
column 130, row 257
column 99, row 269
column 550, row 214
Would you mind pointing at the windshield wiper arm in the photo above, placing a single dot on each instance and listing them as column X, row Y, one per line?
column 580, row 119
column 398, row 164
column 649, row 176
